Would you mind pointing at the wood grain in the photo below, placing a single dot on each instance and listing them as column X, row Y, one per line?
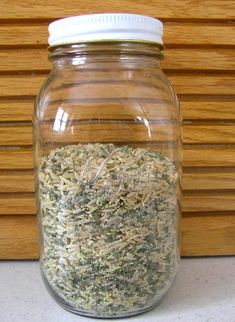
column 16, row 135
column 206, row 9
column 197, row 109
column 208, row 33
column 193, row 156
column 208, row 179
column 213, row 134
column 208, row 156
column 206, row 236
column 175, row 33
column 16, row 110
column 206, row 202
column 18, row 238
column 201, row 236
column 16, row 159
column 208, row 110
column 196, row 179
column 16, row 181
column 199, row 60
column 193, row 202
column 17, row 204
column 105, row 132
column 175, row 59
column 184, row 84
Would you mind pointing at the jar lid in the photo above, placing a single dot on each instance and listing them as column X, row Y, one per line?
column 105, row 27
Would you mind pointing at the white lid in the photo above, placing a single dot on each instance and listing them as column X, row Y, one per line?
column 105, row 26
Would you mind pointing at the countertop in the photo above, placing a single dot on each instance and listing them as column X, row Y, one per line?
column 204, row 290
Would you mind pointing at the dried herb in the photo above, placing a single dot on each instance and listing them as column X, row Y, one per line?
column 109, row 226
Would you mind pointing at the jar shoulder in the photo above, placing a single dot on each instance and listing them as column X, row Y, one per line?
column 99, row 87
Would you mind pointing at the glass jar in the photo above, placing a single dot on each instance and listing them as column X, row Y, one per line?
column 107, row 165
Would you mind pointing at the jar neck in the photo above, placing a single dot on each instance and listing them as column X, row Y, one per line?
column 98, row 53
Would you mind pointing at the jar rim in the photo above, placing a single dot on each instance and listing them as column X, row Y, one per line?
column 99, row 42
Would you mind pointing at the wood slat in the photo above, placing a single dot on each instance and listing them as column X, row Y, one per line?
column 21, row 110
column 17, row 204
column 95, row 132
column 206, row 236
column 21, row 35
column 206, row 9
column 206, row 34
column 16, row 110
column 208, row 201
column 175, row 59
column 16, row 159
column 193, row 156
column 201, row 236
column 208, row 179
column 24, row 204
column 15, row 135
column 218, row 134
column 208, row 156
column 19, row 85
column 199, row 59
column 25, row 59
column 203, row 134
column 207, row 110
column 18, row 237
column 176, row 33
column 184, row 84
column 23, row 181
column 20, row 182
column 197, row 201
column 199, row 84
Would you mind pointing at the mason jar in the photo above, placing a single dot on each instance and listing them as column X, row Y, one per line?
column 107, row 165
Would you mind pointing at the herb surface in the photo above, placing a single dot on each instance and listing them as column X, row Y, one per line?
column 109, row 217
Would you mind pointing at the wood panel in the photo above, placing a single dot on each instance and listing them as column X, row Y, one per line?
column 184, row 84
column 199, row 61
column 215, row 134
column 21, row 204
column 193, row 202
column 194, row 156
column 209, row 156
column 15, row 135
column 19, row 238
column 201, row 236
column 206, row 202
column 16, row 110
column 16, row 159
column 208, row 110
column 175, row 58
column 207, row 9
column 205, row 134
column 193, row 179
column 16, row 181
column 206, row 236
column 208, row 179
column 175, row 33
column 197, row 109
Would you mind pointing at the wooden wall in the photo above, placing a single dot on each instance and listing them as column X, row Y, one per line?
column 200, row 62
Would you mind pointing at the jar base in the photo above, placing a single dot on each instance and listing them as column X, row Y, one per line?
column 96, row 315
column 124, row 315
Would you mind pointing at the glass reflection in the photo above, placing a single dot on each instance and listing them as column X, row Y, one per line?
column 60, row 120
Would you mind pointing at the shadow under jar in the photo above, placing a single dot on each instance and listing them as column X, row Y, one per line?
column 107, row 165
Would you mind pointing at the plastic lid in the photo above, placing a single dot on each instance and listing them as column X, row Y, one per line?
column 105, row 27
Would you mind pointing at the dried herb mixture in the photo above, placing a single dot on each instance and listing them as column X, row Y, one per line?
column 108, row 225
